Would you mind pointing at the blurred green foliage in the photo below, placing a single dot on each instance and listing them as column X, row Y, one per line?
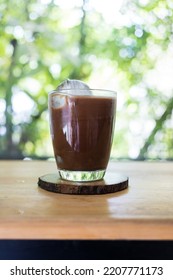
column 42, row 43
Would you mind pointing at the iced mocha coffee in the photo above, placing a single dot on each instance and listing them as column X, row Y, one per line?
column 82, row 126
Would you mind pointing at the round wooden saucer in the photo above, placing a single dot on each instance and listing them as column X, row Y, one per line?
column 111, row 183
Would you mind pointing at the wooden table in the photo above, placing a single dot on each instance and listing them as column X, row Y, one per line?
column 144, row 211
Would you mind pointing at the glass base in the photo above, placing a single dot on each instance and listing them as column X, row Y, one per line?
column 82, row 176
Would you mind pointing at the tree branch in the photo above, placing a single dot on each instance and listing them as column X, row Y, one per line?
column 8, row 97
column 158, row 126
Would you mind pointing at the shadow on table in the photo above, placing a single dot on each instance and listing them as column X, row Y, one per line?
column 83, row 250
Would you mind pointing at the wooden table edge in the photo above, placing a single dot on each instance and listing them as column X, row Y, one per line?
column 119, row 230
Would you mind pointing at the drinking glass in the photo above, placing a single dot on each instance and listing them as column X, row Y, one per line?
column 82, row 127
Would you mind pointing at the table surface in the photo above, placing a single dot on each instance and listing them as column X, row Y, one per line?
column 144, row 211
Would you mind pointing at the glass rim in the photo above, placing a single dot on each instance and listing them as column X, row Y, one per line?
column 100, row 92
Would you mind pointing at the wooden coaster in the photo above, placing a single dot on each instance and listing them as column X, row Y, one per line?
column 111, row 183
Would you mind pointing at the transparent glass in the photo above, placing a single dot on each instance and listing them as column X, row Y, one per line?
column 82, row 127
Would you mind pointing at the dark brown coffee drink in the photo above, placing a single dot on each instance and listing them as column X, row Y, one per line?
column 82, row 125
column 82, row 130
